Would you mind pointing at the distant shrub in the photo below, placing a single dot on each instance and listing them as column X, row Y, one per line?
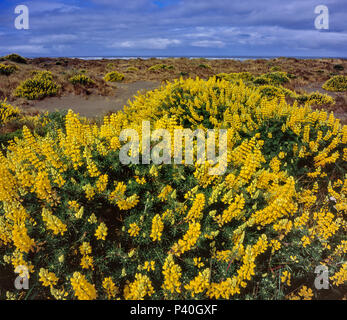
column 114, row 76
column 15, row 58
column 272, row 78
column 7, row 69
column 110, row 65
column 81, row 79
column 7, row 112
column 38, row 87
column 132, row 69
column 336, row 83
column 338, row 67
column 157, row 67
column 315, row 98
column 184, row 73
column 275, row 92
column 204, row 66
column 246, row 76
column 275, row 68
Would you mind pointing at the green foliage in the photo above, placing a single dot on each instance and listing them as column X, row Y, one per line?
column 245, row 76
column 272, row 78
column 7, row 69
column 315, row 98
column 204, row 66
column 81, row 79
column 132, row 69
column 276, row 91
column 15, row 58
column 5, row 138
column 339, row 67
column 275, row 68
column 114, row 76
column 158, row 67
column 7, row 112
column 38, row 87
column 336, row 83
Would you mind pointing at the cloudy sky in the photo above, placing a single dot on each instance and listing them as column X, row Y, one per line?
column 174, row 28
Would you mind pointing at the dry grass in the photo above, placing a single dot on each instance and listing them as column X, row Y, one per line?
column 307, row 74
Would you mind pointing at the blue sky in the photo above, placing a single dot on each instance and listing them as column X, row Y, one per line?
column 174, row 28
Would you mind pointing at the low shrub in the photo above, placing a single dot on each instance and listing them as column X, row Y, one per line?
column 7, row 69
column 315, row 98
column 272, row 78
column 336, row 83
column 160, row 67
column 270, row 91
column 38, row 87
column 7, row 112
column 132, row 69
column 86, row 226
column 245, row 76
column 114, row 76
column 15, row 58
column 81, row 79
column 204, row 66
column 339, row 67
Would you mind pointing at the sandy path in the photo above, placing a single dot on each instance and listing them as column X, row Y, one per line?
column 96, row 105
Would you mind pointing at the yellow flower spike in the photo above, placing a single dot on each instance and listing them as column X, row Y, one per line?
column 101, row 231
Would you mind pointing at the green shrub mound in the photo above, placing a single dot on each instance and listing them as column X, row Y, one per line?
column 81, row 79
column 14, row 58
column 315, row 98
column 336, row 83
column 158, row 67
column 38, row 87
column 114, row 76
column 7, row 69
column 245, row 76
column 273, row 91
column 272, row 78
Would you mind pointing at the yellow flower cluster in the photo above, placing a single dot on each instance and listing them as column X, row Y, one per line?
column 101, row 231
column 53, row 223
column 134, row 230
column 87, row 260
column 47, row 278
column 110, row 288
column 285, row 277
column 139, row 289
column 199, row 284
column 82, row 288
column 340, row 277
column 196, row 212
column 172, row 274
column 189, row 239
column 157, row 228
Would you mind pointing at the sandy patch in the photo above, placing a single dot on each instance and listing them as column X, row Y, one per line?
column 95, row 105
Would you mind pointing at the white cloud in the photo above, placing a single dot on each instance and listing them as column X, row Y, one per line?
column 24, row 49
column 152, row 43
column 55, row 38
column 208, row 44
column 47, row 6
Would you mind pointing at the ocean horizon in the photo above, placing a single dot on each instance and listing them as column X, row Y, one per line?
column 240, row 58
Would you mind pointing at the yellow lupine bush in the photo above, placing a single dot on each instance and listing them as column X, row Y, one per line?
column 70, row 208
column 7, row 112
column 38, row 87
